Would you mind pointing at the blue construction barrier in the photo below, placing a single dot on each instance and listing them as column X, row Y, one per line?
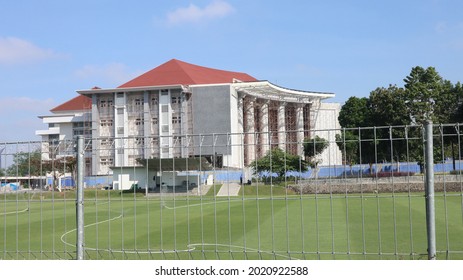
column 91, row 181
column 67, row 182
column 12, row 186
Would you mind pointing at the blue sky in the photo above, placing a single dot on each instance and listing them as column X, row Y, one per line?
column 51, row 48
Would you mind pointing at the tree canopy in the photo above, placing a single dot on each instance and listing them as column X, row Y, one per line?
column 388, row 110
column 425, row 96
column 355, row 113
column 278, row 161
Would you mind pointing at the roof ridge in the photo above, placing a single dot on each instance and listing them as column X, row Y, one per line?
column 178, row 72
column 181, row 64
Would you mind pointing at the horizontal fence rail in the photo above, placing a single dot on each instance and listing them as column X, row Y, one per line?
column 347, row 194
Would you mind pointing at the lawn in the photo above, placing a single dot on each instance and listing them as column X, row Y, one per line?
column 261, row 223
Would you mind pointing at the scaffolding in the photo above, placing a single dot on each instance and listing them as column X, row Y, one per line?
column 291, row 129
column 273, row 124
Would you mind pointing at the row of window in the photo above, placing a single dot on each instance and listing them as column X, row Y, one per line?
column 106, row 142
column 140, row 121
column 107, row 161
column 106, row 103
column 106, row 123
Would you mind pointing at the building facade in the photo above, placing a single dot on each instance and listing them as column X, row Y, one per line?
column 182, row 110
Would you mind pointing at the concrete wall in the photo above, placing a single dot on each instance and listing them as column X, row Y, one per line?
column 327, row 126
column 65, row 130
column 211, row 114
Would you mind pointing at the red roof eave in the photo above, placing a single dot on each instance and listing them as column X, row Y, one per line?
column 78, row 103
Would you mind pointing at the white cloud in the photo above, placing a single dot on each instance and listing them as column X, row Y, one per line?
column 17, row 51
column 195, row 14
column 113, row 73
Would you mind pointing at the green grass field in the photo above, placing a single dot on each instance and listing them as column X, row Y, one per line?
column 263, row 223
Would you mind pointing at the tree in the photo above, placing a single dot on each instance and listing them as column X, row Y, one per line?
column 388, row 109
column 423, row 87
column 278, row 161
column 348, row 144
column 387, row 106
column 61, row 166
column 314, row 147
column 25, row 164
column 31, row 164
column 456, row 116
column 355, row 113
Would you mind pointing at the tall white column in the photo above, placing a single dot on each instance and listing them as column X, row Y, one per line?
column 96, row 134
column 238, row 139
column 264, row 125
column 282, row 126
column 249, row 130
column 300, row 128
column 146, row 124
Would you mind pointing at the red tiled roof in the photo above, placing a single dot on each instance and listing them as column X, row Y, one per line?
column 176, row 72
column 173, row 72
column 78, row 103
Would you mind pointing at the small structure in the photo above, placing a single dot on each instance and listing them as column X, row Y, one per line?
column 22, row 182
column 174, row 174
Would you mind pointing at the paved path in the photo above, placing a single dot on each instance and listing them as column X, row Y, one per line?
column 231, row 189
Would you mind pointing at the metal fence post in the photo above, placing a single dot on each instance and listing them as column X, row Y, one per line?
column 429, row 191
column 80, row 198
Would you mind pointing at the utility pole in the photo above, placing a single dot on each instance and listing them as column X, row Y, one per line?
column 429, row 191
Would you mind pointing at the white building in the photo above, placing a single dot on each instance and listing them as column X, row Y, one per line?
column 181, row 110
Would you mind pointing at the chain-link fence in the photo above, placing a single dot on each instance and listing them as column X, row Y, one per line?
column 346, row 194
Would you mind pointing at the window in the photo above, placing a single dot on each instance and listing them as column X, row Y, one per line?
column 154, row 121
column 139, row 121
column 164, row 92
column 140, row 141
column 138, row 102
column 165, row 108
column 79, row 128
column 106, row 123
column 154, row 100
column 176, row 119
column 104, row 103
column 105, row 143
column 177, row 140
column 52, row 138
column 106, row 161
column 77, row 132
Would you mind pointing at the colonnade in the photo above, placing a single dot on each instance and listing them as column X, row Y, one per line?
column 269, row 124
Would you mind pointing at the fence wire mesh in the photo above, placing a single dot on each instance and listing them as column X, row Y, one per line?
column 234, row 196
